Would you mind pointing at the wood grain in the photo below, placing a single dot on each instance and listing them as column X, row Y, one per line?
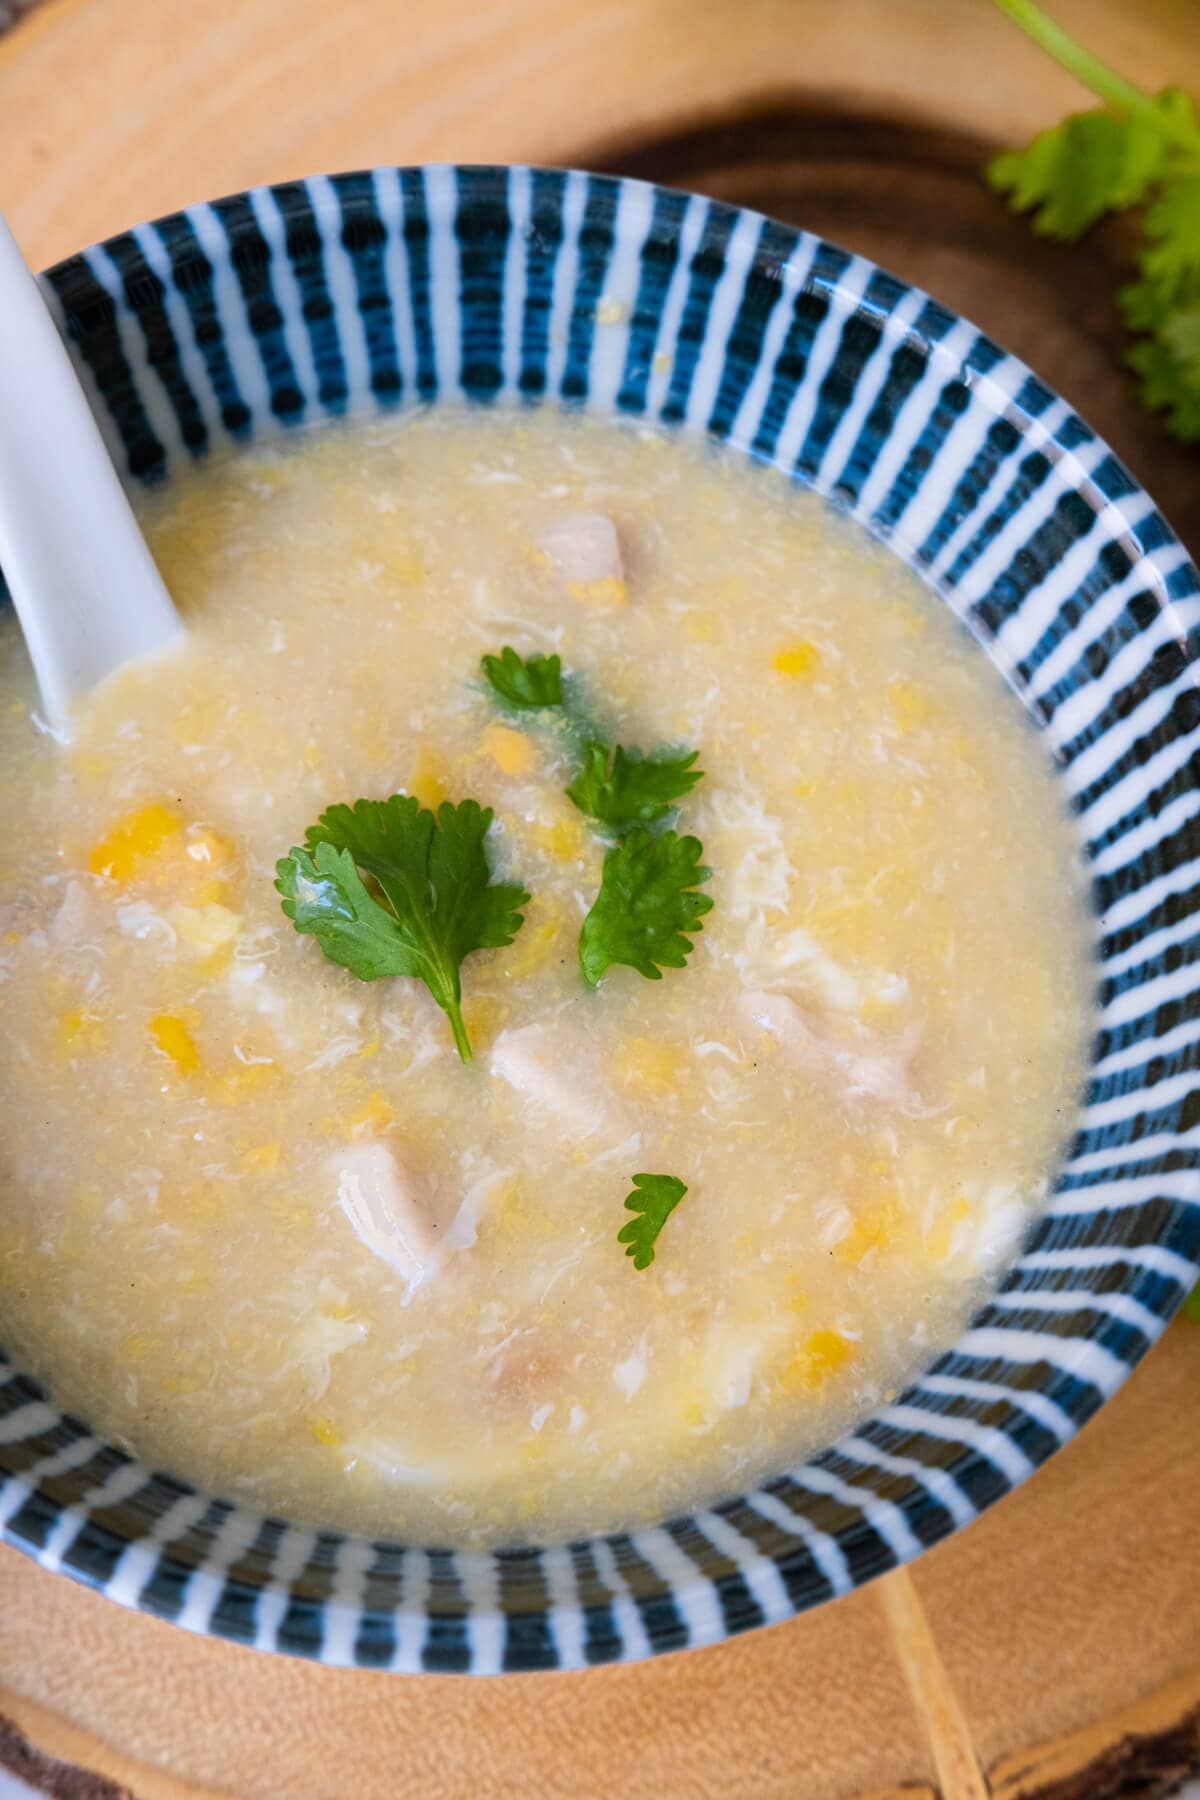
column 1051, row 1651
column 115, row 110
column 947, row 1728
column 1066, row 1608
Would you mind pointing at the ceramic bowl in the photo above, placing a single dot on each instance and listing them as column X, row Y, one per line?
column 400, row 287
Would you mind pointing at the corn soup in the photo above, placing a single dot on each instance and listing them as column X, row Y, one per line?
column 260, row 1222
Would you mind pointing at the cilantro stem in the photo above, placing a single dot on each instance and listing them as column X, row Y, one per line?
column 462, row 1042
column 1104, row 82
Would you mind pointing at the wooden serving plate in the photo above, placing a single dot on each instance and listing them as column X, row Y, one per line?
column 1053, row 1649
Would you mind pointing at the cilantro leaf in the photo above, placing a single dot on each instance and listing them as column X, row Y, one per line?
column 653, row 1200
column 324, row 895
column 1166, row 385
column 527, row 685
column 1191, row 1306
column 1136, row 149
column 1074, row 173
column 1165, row 303
column 1171, row 261
column 437, row 902
column 621, row 788
column 645, row 907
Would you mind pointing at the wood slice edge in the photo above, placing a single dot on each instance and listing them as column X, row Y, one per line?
column 66, row 1762
column 1146, row 1749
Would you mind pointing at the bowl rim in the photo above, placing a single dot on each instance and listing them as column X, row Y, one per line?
column 597, row 1603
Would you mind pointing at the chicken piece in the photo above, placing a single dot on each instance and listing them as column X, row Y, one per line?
column 794, row 958
column 397, row 1218
column 876, row 1069
column 320, row 1339
column 76, row 916
column 583, row 548
column 532, row 1061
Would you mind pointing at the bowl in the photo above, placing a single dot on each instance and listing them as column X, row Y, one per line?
column 394, row 288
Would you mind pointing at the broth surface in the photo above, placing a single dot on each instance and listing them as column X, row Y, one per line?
column 865, row 1075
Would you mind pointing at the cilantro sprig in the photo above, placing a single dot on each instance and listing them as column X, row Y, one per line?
column 1137, row 149
column 653, row 1200
column 621, row 788
column 526, row 685
column 431, row 900
column 647, row 906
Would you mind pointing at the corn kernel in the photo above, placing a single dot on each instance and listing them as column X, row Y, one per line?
column 198, row 722
column 430, row 777
column 827, row 1350
column 511, row 1216
column 510, row 750
column 483, row 1015
column 404, row 567
column 537, row 943
column 210, row 892
column 566, row 840
column 609, row 591
column 206, row 929
column 375, row 1114
column 133, row 839
column 324, row 1430
column 240, row 1083
column 82, row 1030
column 798, row 659
column 909, row 707
column 646, row 1066
column 821, row 1354
column 871, row 1230
column 261, row 1156
column 198, row 1206
column 173, row 1038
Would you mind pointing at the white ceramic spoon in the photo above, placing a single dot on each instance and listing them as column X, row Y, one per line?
column 85, row 587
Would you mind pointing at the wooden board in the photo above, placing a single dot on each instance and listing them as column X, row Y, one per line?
column 1054, row 1648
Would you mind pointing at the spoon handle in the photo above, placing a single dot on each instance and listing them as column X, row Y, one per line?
column 84, row 584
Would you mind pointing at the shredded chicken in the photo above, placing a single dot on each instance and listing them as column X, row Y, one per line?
column 583, row 547
column 878, row 1069
column 534, row 1060
column 391, row 1214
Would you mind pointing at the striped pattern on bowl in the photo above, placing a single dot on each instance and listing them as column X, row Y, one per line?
column 400, row 287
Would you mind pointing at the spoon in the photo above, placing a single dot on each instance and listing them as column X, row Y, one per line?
column 87, row 592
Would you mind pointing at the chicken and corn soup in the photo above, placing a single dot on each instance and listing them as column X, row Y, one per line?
column 775, row 912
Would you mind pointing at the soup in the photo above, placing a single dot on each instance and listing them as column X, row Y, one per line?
column 262, row 1224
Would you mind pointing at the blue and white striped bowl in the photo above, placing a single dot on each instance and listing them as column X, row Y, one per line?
column 354, row 292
